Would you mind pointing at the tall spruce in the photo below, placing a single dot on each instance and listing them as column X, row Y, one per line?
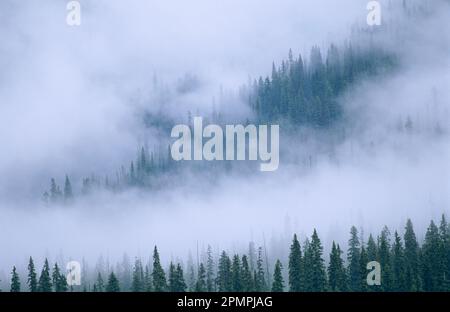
column 246, row 276
column 138, row 283
column 113, row 283
column 336, row 270
column 15, row 281
column 260, row 279
column 398, row 264
column 318, row 277
column 45, row 283
column 353, row 259
column 99, row 283
column 210, row 282
column 236, row 274
column 295, row 267
column 32, row 277
column 278, row 283
column 433, row 274
column 224, row 276
column 384, row 253
column 158, row 275
column 59, row 280
column 412, row 262
column 200, row 285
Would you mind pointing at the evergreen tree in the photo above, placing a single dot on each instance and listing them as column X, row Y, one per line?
column 363, row 260
column 433, row 273
column 59, row 280
column 318, row 281
column 45, row 284
column 99, row 284
column 278, row 283
column 210, row 284
column 176, row 279
column 68, row 195
column 137, row 284
column 236, row 274
column 412, row 265
column 444, row 232
column 295, row 267
column 32, row 278
column 201, row 286
column 353, row 258
column 336, row 270
column 15, row 281
column 158, row 275
column 113, row 283
column 147, row 280
column 398, row 264
column 260, row 280
column 384, row 251
column 246, row 276
column 224, row 277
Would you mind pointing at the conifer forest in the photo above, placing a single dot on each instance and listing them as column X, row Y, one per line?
column 225, row 146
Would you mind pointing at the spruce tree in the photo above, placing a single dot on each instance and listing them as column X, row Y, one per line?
column 158, row 275
column 147, row 280
column 353, row 258
column 412, row 265
column 15, row 281
column 336, row 270
column 137, row 283
column 45, row 284
column 295, row 266
column 181, row 284
column 278, row 283
column 32, row 278
column 99, row 284
column 68, row 195
column 210, row 283
column 260, row 280
column 236, row 274
column 398, row 265
column 384, row 252
column 246, row 276
column 59, row 280
column 113, row 283
column 433, row 274
column 224, row 277
column 201, row 286
column 363, row 260
column 318, row 280
column 444, row 232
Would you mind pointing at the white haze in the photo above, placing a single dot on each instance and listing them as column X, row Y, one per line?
column 66, row 107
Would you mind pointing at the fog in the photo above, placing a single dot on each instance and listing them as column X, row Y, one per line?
column 71, row 98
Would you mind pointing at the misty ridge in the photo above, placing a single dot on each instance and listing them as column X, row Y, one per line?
column 87, row 114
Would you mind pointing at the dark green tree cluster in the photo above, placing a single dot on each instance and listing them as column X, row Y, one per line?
column 306, row 92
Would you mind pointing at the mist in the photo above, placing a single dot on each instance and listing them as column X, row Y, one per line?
column 71, row 100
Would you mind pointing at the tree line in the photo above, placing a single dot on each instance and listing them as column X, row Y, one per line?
column 405, row 265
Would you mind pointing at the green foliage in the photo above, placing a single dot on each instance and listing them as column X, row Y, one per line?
column 113, row 283
column 278, row 283
column 306, row 93
column 32, row 277
column 158, row 275
column 15, row 281
column 59, row 280
column 296, row 278
column 224, row 274
column 45, row 284
column 336, row 270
